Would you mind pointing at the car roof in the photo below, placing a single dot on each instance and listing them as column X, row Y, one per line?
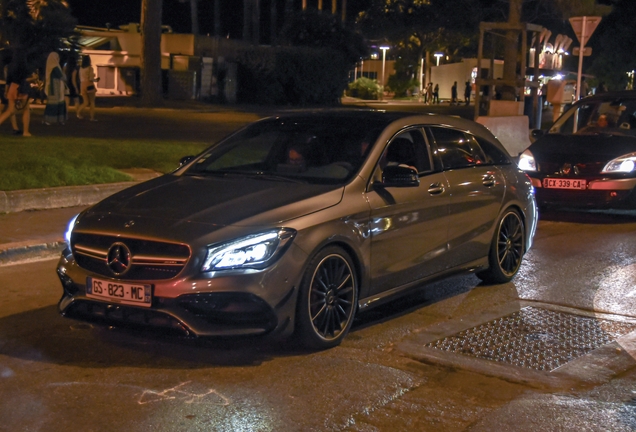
column 612, row 95
column 385, row 118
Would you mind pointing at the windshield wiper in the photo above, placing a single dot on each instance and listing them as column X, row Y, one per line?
column 275, row 177
column 250, row 174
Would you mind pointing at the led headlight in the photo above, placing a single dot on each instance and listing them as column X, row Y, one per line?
column 526, row 161
column 69, row 230
column 623, row 164
column 255, row 251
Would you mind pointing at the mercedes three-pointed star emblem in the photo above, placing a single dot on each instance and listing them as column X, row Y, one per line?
column 118, row 259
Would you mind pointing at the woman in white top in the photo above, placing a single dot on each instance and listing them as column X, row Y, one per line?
column 88, row 90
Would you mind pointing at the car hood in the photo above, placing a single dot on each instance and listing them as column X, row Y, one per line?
column 582, row 148
column 218, row 201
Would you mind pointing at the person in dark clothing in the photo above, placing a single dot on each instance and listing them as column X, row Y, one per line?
column 467, row 91
column 17, row 93
column 454, row 94
column 71, row 70
column 601, row 88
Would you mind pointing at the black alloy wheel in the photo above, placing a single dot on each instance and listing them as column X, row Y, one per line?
column 327, row 300
column 506, row 251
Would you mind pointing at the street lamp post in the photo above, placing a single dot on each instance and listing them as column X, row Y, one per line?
column 383, row 48
column 437, row 57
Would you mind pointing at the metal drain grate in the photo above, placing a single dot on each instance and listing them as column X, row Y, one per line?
column 534, row 338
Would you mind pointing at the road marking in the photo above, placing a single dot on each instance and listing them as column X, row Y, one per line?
column 178, row 393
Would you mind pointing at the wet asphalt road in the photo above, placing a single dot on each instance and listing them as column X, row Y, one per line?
column 56, row 374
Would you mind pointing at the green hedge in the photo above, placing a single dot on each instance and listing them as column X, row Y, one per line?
column 291, row 76
column 400, row 85
column 364, row 88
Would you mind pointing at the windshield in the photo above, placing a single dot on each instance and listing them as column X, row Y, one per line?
column 607, row 116
column 311, row 149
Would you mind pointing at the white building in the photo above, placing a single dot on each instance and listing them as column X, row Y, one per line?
column 446, row 74
column 189, row 62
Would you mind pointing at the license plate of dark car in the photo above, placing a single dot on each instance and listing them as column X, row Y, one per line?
column 553, row 183
column 119, row 292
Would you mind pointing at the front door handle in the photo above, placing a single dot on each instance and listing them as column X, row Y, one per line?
column 436, row 189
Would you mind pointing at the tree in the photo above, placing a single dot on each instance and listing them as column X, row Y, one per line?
column 572, row 8
column 415, row 27
column 151, row 88
column 319, row 30
column 613, row 43
column 36, row 27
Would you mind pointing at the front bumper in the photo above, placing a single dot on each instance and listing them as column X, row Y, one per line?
column 599, row 193
column 247, row 303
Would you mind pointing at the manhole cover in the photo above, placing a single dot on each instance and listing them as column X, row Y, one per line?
column 534, row 338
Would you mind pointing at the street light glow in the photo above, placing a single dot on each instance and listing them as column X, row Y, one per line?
column 437, row 57
column 383, row 48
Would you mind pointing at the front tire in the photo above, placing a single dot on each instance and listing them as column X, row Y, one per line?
column 328, row 299
column 506, row 249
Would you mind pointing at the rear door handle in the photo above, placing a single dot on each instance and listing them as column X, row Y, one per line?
column 489, row 180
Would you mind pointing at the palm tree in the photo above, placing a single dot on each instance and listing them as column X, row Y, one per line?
column 151, row 89
column 36, row 27
column 194, row 15
column 251, row 18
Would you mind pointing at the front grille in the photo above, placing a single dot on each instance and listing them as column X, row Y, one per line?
column 583, row 198
column 571, row 169
column 126, row 316
column 149, row 260
column 237, row 310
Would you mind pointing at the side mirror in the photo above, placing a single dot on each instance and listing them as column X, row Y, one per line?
column 185, row 160
column 399, row 176
column 537, row 133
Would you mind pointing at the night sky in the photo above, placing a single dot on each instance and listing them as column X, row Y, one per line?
column 99, row 13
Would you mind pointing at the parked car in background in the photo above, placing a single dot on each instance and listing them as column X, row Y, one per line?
column 588, row 157
column 295, row 223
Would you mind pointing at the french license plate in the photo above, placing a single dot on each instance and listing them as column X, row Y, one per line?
column 557, row 183
column 119, row 292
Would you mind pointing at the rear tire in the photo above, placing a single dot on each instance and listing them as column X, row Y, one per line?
column 327, row 300
column 506, row 250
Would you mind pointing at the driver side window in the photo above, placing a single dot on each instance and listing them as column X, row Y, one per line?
column 408, row 148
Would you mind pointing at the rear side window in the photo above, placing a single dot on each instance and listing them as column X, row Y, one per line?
column 457, row 149
column 494, row 155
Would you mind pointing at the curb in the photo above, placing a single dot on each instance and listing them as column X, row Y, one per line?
column 57, row 197
column 68, row 196
column 51, row 246
column 35, row 250
column 43, row 199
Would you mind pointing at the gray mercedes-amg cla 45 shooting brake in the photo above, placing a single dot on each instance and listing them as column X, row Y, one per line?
column 296, row 223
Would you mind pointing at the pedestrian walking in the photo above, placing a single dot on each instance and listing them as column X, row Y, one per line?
column 601, row 88
column 467, row 91
column 55, row 89
column 88, row 89
column 454, row 94
column 71, row 70
column 17, row 92
column 436, row 94
column 429, row 93
column 585, row 89
column 4, row 103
